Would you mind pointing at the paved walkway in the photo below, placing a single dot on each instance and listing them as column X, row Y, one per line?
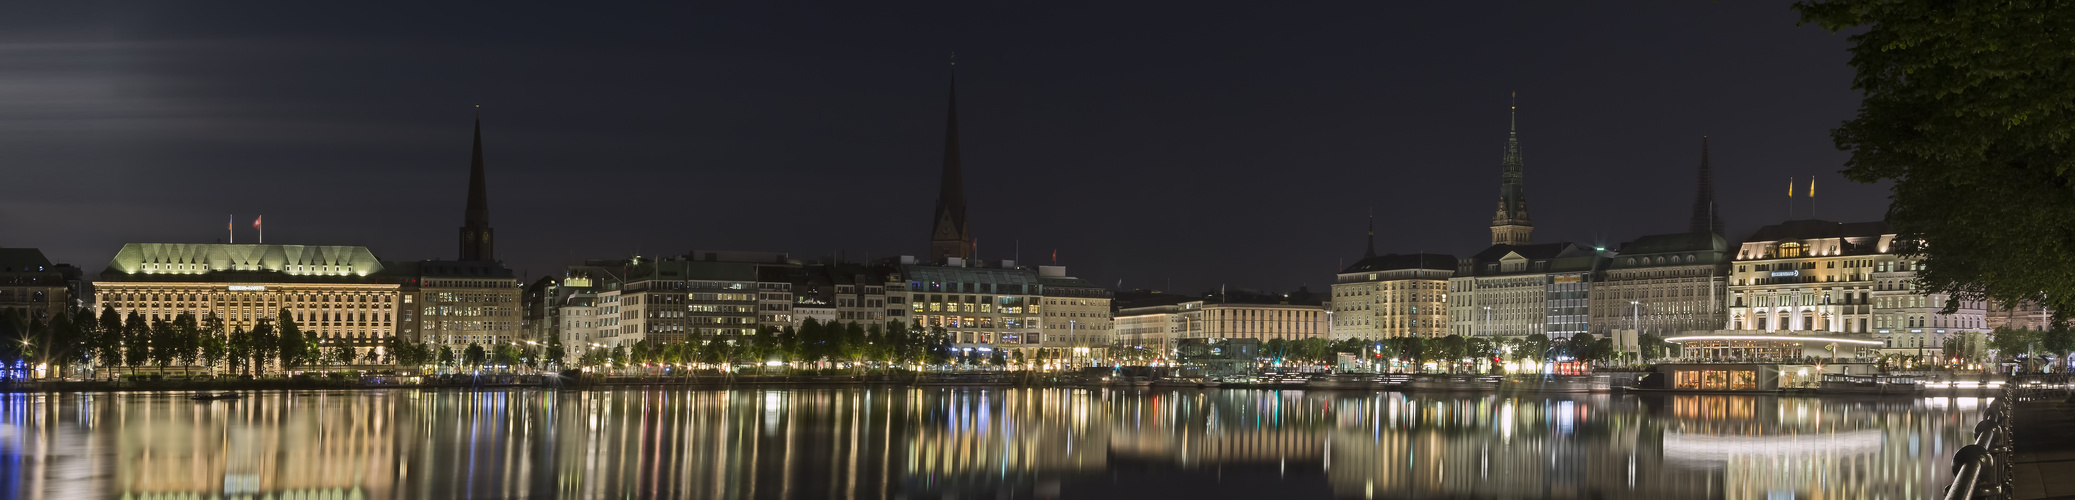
column 2044, row 461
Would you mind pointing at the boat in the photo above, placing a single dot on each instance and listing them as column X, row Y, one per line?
column 1131, row 381
column 1185, row 382
column 203, row 396
column 1872, row 385
column 1337, row 381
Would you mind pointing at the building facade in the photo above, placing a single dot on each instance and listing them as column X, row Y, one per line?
column 333, row 293
column 1816, row 275
column 32, row 286
column 1662, row 285
column 1077, row 322
column 1521, row 290
column 1392, row 296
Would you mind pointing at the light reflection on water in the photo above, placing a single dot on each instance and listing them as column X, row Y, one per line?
column 1003, row 443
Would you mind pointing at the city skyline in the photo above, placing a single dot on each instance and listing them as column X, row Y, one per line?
column 1132, row 210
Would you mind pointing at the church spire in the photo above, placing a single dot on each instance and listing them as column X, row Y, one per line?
column 1706, row 218
column 477, row 242
column 1510, row 224
column 950, row 237
column 1371, row 252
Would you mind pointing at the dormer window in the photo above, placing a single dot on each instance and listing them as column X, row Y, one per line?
column 1790, row 250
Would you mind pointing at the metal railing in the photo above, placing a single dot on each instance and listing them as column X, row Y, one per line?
column 1983, row 470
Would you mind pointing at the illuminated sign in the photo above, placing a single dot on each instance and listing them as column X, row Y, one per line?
column 1779, row 274
column 1569, row 279
column 248, row 288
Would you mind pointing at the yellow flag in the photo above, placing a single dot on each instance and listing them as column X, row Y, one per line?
column 1811, row 187
column 1790, row 187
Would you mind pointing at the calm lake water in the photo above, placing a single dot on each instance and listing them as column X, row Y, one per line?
column 973, row 443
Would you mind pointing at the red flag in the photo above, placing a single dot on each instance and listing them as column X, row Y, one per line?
column 255, row 221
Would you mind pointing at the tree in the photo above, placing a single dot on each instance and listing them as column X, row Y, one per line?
column 294, row 349
column 446, row 356
column 215, row 347
column 1535, row 346
column 999, row 359
column 136, row 340
column 1968, row 109
column 555, row 352
column 108, row 338
column 1650, row 346
column 343, row 352
column 238, row 350
column 474, row 355
column 263, row 344
column 60, row 341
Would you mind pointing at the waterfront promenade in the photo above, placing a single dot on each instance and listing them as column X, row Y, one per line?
column 2043, row 461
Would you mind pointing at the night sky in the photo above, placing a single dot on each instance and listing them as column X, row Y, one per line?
column 1204, row 145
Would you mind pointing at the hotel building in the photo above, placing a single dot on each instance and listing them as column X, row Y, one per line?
column 1817, row 275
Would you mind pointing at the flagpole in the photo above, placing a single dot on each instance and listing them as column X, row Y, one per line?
column 232, row 226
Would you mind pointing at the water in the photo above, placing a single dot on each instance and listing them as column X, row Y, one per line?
column 927, row 443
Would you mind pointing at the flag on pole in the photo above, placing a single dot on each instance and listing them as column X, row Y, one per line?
column 1790, row 187
column 255, row 221
column 262, row 231
column 231, row 225
column 1811, row 187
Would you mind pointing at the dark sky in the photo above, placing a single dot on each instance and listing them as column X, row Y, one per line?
column 1145, row 142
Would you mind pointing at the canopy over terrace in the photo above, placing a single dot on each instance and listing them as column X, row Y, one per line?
column 1742, row 346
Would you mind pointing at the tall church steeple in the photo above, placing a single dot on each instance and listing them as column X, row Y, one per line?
column 1371, row 252
column 950, row 237
column 1510, row 224
column 1706, row 217
column 478, row 243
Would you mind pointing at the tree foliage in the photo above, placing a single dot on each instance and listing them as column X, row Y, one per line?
column 1969, row 109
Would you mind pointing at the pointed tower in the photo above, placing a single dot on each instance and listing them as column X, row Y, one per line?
column 1510, row 224
column 1371, row 252
column 1706, row 217
column 949, row 238
column 477, row 241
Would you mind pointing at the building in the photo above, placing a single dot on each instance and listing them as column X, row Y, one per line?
column 1665, row 284
column 33, row 286
column 982, row 308
column 1521, row 290
column 1517, row 288
column 334, row 293
column 458, row 303
column 2026, row 315
column 1163, row 322
column 1077, row 323
column 1393, row 296
column 1823, row 276
column 674, row 300
column 587, row 319
column 473, row 299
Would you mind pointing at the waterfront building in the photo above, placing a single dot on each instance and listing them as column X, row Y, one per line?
column 1392, row 296
column 1817, row 275
column 1663, row 284
column 334, row 293
column 1162, row 322
column 1521, row 290
column 1077, row 323
column 32, row 285
column 981, row 308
